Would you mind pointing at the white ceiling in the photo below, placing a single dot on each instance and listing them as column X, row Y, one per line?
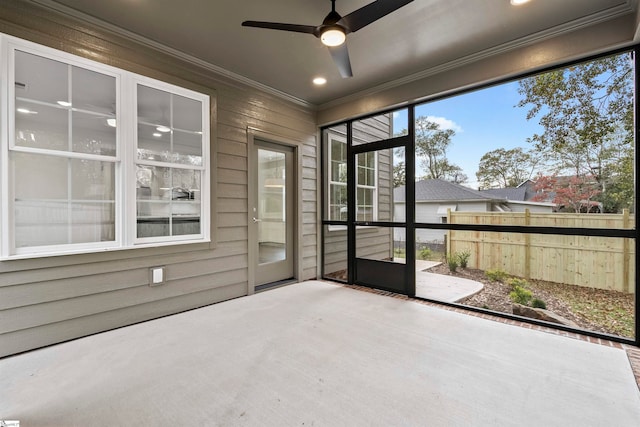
column 420, row 36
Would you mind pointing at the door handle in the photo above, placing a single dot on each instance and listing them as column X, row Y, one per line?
column 256, row 219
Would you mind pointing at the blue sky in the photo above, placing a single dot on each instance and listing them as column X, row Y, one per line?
column 483, row 120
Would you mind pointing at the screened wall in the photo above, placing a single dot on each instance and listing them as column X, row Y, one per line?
column 518, row 198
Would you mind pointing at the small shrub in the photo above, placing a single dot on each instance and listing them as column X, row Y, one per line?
column 425, row 253
column 538, row 303
column 463, row 258
column 398, row 252
column 520, row 295
column 452, row 262
column 514, row 282
column 496, row 275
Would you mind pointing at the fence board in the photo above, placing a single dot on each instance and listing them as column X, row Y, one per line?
column 590, row 261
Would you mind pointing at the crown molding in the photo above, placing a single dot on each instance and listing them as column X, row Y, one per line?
column 594, row 19
column 219, row 71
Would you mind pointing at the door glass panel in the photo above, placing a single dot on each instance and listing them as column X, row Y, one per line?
column 381, row 244
column 380, row 185
column 271, row 206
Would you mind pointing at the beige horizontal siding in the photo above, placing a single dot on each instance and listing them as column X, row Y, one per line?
column 48, row 300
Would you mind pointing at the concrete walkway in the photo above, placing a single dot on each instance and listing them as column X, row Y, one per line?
column 441, row 287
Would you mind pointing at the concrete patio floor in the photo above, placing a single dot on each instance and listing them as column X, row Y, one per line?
column 320, row 354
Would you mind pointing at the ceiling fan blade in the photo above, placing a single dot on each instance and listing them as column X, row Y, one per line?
column 340, row 56
column 307, row 29
column 371, row 13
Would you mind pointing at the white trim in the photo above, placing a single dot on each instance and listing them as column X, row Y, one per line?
column 585, row 22
column 330, row 138
column 5, row 217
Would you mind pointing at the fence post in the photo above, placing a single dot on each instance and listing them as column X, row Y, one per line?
column 626, row 256
column 447, row 237
column 527, row 246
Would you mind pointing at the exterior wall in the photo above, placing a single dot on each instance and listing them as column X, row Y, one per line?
column 50, row 300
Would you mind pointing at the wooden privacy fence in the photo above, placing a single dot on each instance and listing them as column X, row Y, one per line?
column 590, row 261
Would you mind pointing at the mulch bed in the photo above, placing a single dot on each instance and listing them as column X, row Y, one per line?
column 495, row 296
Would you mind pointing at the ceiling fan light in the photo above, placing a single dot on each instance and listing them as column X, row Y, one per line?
column 333, row 36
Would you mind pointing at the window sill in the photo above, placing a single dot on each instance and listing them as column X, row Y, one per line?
column 115, row 249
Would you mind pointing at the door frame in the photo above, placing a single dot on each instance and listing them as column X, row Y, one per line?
column 378, row 274
column 254, row 134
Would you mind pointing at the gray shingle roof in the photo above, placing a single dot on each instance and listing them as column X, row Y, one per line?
column 431, row 190
column 522, row 193
column 518, row 193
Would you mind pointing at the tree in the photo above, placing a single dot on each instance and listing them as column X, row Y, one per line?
column 586, row 112
column 503, row 168
column 570, row 194
column 432, row 143
column 399, row 175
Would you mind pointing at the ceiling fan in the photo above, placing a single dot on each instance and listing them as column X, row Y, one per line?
column 334, row 29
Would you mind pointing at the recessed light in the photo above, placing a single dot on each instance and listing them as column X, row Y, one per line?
column 163, row 129
column 111, row 122
column 64, row 103
column 519, row 2
column 25, row 111
column 319, row 81
column 157, row 134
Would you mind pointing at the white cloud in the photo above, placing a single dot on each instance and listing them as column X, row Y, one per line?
column 445, row 123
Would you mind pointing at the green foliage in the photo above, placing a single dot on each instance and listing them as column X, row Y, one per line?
column 587, row 115
column 520, row 295
column 399, row 253
column 538, row 303
column 503, row 168
column 452, row 262
column 515, row 282
column 399, row 175
column 432, row 143
column 496, row 275
column 463, row 258
column 425, row 253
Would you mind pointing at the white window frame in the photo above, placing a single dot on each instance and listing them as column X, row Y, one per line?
column 124, row 159
column 330, row 139
column 204, row 168
column 374, row 188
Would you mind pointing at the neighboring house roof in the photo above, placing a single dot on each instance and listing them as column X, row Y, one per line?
column 522, row 193
column 438, row 190
column 516, row 194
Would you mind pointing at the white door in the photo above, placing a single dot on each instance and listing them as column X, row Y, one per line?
column 273, row 213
